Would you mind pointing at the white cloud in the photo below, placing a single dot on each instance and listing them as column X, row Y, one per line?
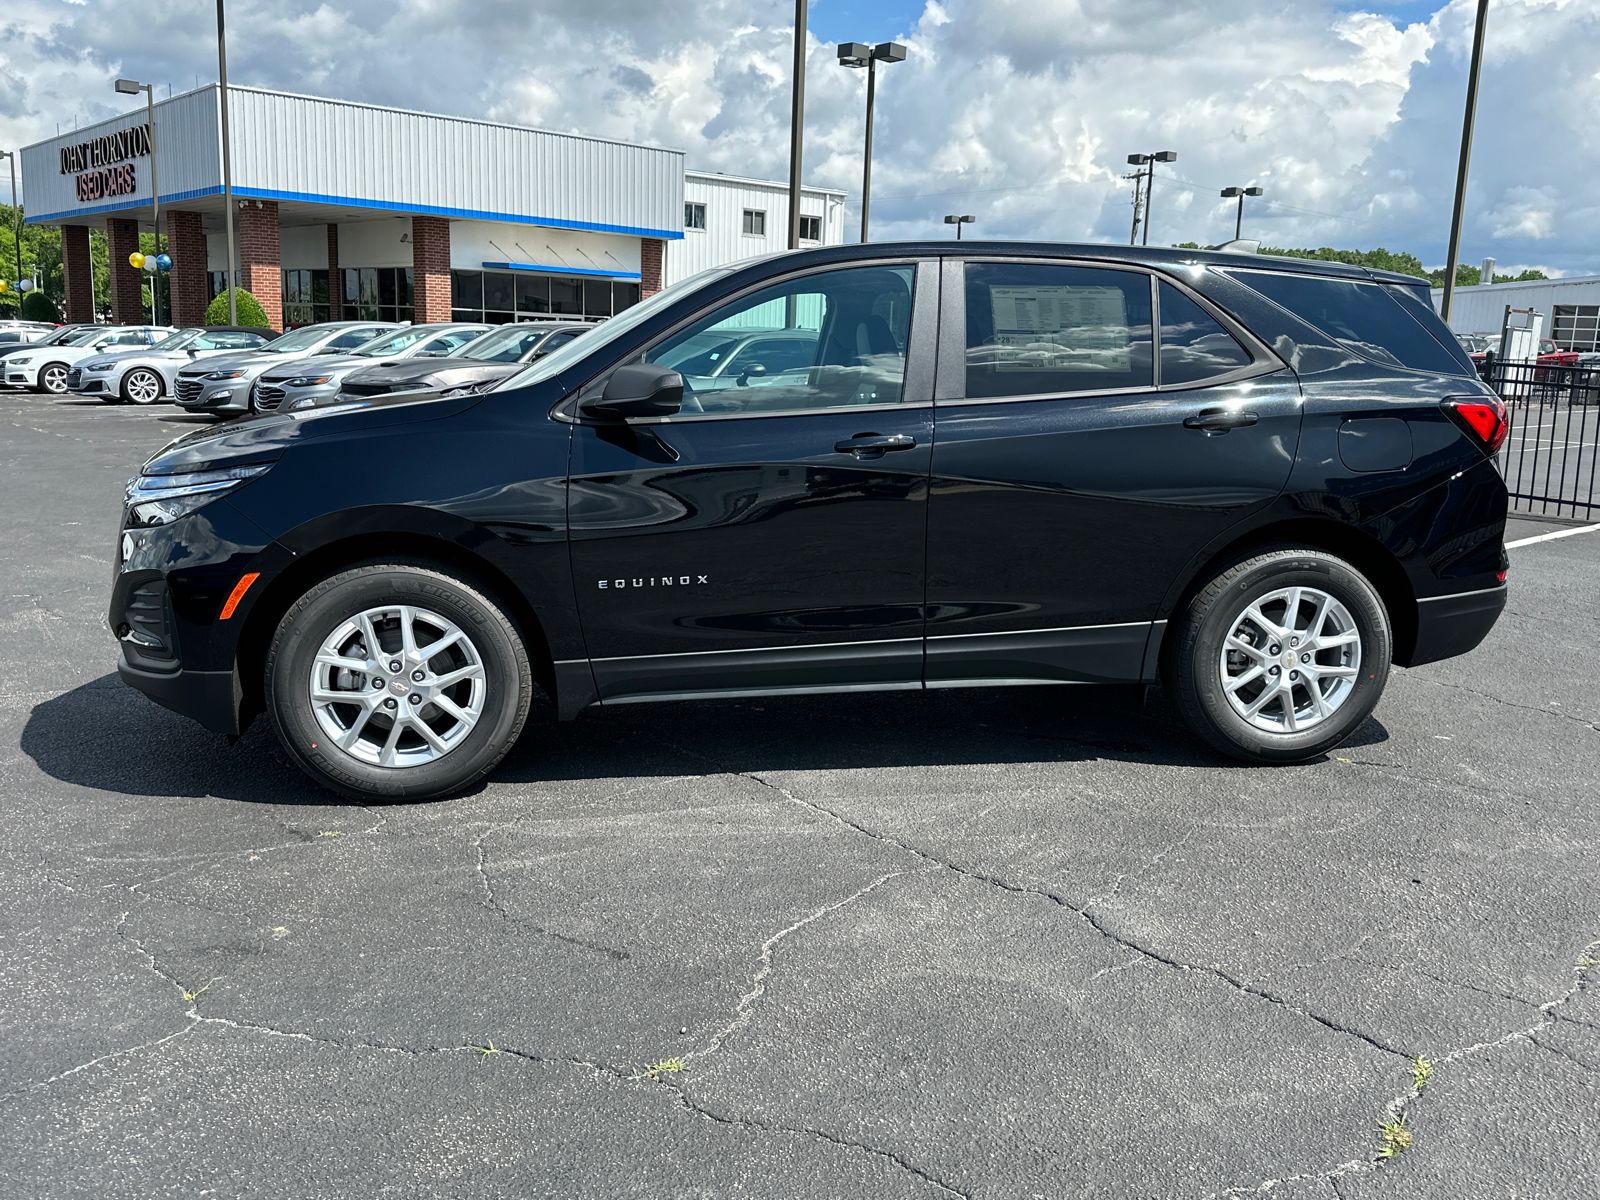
column 1020, row 111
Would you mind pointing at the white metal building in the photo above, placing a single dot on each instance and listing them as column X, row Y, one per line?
column 355, row 211
column 729, row 217
column 1571, row 308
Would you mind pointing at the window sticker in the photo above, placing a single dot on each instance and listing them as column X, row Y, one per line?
column 1078, row 328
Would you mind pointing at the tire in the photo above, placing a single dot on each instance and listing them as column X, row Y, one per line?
column 1215, row 693
column 335, row 617
column 142, row 387
column 52, row 379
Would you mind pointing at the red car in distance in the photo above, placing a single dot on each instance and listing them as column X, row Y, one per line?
column 1552, row 355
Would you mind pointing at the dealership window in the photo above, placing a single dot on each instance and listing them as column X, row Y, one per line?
column 1039, row 330
column 755, row 222
column 810, row 229
column 377, row 294
column 499, row 297
column 1574, row 326
column 305, row 298
column 694, row 215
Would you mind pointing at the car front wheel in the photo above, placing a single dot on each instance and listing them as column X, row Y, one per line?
column 52, row 378
column 397, row 680
column 142, row 387
column 1281, row 656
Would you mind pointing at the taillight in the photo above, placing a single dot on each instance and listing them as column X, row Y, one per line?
column 1484, row 417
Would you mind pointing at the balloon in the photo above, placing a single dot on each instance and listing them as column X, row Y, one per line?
column 4, row 287
column 136, row 260
column 164, row 262
column 24, row 285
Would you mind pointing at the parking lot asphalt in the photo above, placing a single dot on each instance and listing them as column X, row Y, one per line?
column 1026, row 943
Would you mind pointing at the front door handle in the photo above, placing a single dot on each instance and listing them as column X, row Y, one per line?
column 875, row 444
column 1220, row 420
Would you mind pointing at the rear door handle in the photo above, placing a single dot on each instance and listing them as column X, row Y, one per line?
column 875, row 444
column 1220, row 420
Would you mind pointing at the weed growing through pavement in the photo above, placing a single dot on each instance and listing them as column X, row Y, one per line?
column 485, row 1051
column 1586, row 962
column 1395, row 1135
column 191, row 997
column 1421, row 1073
column 667, row 1066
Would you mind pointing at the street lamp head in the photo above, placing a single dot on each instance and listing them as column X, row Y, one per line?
column 1230, row 192
column 889, row 52
column 1252, row 191
column 1166, row 156
column 1138, row 160
column 854, row 54
column 129, row 87
column 965, row 219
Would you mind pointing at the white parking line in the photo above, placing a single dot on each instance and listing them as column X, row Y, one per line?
column 1550, row 537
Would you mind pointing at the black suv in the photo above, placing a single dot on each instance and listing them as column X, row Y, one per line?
column 1259, row 481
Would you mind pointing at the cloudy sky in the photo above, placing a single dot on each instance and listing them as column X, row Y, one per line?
column 1021, row 112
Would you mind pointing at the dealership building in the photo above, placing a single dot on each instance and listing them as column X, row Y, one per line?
column 350, row 211
column 1570, row 308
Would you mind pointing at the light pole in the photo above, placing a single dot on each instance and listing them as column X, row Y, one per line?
column 855, row 54
column 1238, row 220
column 958, row 222
column 227, row 169
column 1140, row 160
column 1466, row 158
column 16, row 218
column 797, row 114
column 130, row 87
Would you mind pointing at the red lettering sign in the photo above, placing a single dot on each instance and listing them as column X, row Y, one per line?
column 112, row 181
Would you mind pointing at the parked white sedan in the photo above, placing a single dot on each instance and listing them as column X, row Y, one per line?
column 45, row 369
column 147, row 375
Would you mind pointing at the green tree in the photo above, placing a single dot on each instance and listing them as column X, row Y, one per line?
column 41, row 256
column 1379, row 259
column 1471, row 276
column 36, row 306
column 249, row 308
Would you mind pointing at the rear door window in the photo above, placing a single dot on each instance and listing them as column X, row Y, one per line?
column 1419, row 303
column 1041, row 329
column 1194, row 347
column 1362, row 316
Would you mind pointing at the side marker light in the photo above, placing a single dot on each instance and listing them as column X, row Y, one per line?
column 239, row 589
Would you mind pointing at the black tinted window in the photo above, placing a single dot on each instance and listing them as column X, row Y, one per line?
column 1362, row 316
column 1034, row 329
column 1417, row 302
column 1193, row 345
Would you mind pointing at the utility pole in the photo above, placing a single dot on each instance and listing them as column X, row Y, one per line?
column 1138, row 183
column 227, row 168
column 1139, row 160
column 1466, row 157
column 797, row 118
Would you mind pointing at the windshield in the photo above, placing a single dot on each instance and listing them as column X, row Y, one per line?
column 79, row 336
column 505, row 345
column 308, row 338
column 597, row 338
column 392, row 343
column 178, row 340
column 444, row 344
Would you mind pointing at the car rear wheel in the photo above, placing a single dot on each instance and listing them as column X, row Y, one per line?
column 399, row 680
column 1281, row 656
column 142, row 387
column 52, row 378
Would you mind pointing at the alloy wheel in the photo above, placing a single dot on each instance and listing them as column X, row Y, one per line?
column 397, row 686
column 142, row 387
column 54, row 378
column 1291, row 659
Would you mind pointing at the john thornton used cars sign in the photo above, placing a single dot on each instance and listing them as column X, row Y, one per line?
column 93, row 162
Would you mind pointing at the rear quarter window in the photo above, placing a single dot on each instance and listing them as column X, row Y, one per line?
column 1365, row 317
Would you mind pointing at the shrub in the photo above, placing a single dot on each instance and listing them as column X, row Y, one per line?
column 36, row 306
column 249, row 308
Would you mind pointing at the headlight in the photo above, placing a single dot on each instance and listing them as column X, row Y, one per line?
column 225, row 375
column 304, row 402
column 162, row 499
column 307, row 380
column 96, row 368
column 22, row 361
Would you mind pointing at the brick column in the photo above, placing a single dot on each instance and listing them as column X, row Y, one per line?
column 186, row 242
column 122, row 239
column 650, row 254
column 430, row 269
column 335, row 278
column 80, row 275
column 260, row 265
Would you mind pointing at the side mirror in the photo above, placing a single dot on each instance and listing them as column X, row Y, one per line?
column 193, row 352
column 637, row 390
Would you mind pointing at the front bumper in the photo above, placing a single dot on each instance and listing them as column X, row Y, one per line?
column 211, row 697
column 80, row 384
column 234, row 394
column 22, row 376
column 1452, row 625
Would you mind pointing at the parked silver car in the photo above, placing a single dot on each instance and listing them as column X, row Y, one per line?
column 44, row 367
column 305, row 385
column 146, row 376
column 223, row 384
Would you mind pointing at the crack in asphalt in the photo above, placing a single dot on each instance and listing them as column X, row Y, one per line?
column 1461, row 687
column 492, row 902
column 1096, row 923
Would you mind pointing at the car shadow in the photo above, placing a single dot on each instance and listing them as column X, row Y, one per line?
column 107, row 736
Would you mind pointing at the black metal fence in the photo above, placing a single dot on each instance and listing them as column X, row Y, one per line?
column 1552, row 452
